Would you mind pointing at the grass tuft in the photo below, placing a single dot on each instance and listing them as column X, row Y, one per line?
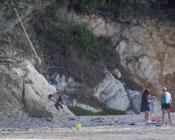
column 106, row 111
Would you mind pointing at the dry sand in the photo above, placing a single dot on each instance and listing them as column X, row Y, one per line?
column 127, row 127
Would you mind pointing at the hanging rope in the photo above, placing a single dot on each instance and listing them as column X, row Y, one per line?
column 28, row 38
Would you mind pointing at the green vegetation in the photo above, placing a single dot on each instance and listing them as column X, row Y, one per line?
column 7, row 7
column 9, row 4
column 96, row 3
column 64, row 32
column 86, row 42
column 90, row 3
column 81, row 112
column 106, row 111
column 79, row 37
column 35, row 41
column 110, row 111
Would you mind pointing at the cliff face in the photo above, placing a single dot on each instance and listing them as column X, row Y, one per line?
column 139, row 53
column 23, row 90
column 136, row 56
column 146, row 48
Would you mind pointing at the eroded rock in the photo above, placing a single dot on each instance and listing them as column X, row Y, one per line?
column 136, row 100
column 112, row 93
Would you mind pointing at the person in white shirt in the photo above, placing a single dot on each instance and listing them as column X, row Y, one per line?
column 166, row 104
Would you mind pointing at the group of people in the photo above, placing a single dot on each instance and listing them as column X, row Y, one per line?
column 165, row 101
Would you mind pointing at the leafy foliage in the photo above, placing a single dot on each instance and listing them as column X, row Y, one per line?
column 110, row 111
column 10, row 4
column 106, row 111
column 86, row 42
column 81, row 112
column 66, row 33
column 92, row 3
column 7, row 7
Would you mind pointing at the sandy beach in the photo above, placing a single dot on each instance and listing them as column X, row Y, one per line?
column 95, row 133
column 125, row 127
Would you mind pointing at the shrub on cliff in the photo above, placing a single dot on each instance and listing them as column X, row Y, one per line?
column 7, row 7
column 106, row 111
column 63, row 31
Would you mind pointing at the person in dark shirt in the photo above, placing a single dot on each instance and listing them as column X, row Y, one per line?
column 145, row 104
column 59, row 101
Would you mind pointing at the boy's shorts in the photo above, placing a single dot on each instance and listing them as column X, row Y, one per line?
column 58, row 104
column 165, row 106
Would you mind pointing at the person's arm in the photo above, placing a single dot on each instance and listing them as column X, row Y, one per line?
column 171, row 101
column 149, row 98
column 159, row 99
column 55, row 95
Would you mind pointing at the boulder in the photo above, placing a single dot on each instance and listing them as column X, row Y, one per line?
column 117, row 73
column 36, row 90
column 11, row 94
column 136, row 99
column 24, row 93
column 65, row 84
column 112, row 93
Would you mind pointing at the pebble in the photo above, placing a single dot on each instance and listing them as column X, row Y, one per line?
column 69, row 122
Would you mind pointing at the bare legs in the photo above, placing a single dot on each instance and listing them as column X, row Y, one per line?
column 146, row 115
column 168, row 111
column 163, row 115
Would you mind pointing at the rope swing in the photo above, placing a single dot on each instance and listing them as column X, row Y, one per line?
column 28, row 38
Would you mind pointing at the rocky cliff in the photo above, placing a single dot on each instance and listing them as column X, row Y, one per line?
column 146, row 49
column 24, row 89
column 138, row 52
column 144, row 44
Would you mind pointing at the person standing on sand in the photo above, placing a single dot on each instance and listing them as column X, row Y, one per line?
column 166, row 104
column 145, row 104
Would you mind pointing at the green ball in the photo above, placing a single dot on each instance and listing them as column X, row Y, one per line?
column 78, row 126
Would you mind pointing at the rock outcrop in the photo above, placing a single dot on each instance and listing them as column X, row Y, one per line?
column 35, row 92
column 146, row 50
column 145, row 46
column 24, row 93
column 136, row 100
column 112, row 93
column 109, row 92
